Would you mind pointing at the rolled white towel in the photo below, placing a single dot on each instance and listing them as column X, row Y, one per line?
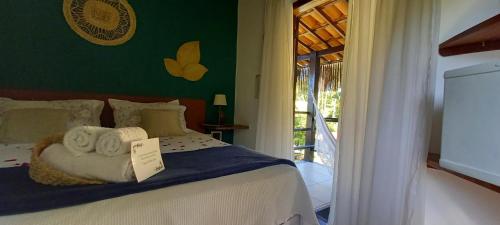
column 117, row 141
column 91, row 165
column 83, row 139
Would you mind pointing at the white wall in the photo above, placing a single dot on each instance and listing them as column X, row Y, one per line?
column 449, row 199
column 455, row 201
column 248, row 61
column 456, row 17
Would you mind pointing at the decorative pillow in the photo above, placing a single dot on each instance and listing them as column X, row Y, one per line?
column 83, row 112
column 162, row 123
column 128, row 114
column 31, row 125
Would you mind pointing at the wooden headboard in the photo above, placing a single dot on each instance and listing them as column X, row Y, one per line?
column 195, row 112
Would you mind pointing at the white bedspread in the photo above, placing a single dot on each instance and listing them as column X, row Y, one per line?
column 269, row 196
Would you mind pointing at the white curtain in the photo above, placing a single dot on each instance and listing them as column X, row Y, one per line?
column 385, row 121
column 275, row 119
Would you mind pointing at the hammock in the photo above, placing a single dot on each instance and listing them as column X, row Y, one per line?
column 325, row 143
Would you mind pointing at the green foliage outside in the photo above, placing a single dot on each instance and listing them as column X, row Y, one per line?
column 329, row 104
column 299, row 137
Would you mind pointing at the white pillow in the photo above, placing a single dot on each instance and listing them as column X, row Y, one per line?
column 83, row 112
column 128, row 114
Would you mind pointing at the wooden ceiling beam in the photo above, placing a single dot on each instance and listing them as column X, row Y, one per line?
column 331, row 50
column 327, row 41
column 336, row 39
column 327, row 51
column 304, row 45
column 306, row 6
column 303, row 57
column 336, row 22
column 322, row 26
column 307, row 32
column 304, row 14
column 325, row 4
column 308, row 29
column 330, row 22
column 339, row 20
column 308, row 56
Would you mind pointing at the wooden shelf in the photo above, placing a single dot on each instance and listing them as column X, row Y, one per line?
column 482, row 37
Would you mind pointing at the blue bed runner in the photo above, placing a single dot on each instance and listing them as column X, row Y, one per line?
column 20, row 194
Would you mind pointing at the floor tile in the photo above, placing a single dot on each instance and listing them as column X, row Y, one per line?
column 314, row 176
column 317, row 204
column 308, row 180
column 321, row 191
column 318, row 181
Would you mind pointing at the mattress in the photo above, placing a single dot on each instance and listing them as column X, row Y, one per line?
column 271, row 195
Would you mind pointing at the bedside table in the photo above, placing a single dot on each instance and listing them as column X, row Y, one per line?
column 216, row 129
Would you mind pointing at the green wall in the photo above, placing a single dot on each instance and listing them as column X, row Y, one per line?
column 38, row 50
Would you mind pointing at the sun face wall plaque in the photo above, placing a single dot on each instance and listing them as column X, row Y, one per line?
column 102, row 22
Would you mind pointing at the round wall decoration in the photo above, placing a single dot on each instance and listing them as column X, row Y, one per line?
column 102, row 22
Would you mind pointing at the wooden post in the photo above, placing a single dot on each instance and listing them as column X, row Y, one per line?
column 295, row 59
column 312, row 87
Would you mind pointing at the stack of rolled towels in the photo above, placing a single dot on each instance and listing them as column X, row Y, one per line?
column 95, row 153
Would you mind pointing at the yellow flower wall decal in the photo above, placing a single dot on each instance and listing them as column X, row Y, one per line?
column 187, row 64
column 173, row 67
column 189, row 53
column 194, row 72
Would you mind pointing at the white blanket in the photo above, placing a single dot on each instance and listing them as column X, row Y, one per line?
column 14, row 155
column 117, row 141
column 192, row 141
column 269, row 196
column 83, row 139
column 91, row 165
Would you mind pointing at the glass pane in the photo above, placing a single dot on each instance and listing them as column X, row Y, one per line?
column 300, row 120
column 329, row 89
column 298, row 154
column 329, row 92
column 333, row 127
column 301, row 88
column 299, row 138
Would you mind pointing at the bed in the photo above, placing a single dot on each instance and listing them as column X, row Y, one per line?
column 269, row 195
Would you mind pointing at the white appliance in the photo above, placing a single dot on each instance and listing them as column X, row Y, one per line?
column 471, row 122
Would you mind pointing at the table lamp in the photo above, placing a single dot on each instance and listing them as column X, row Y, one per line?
column 220, row 101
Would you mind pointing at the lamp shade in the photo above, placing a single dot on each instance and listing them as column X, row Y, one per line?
column 220, row 99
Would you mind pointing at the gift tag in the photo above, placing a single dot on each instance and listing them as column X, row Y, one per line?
column 146, row 158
